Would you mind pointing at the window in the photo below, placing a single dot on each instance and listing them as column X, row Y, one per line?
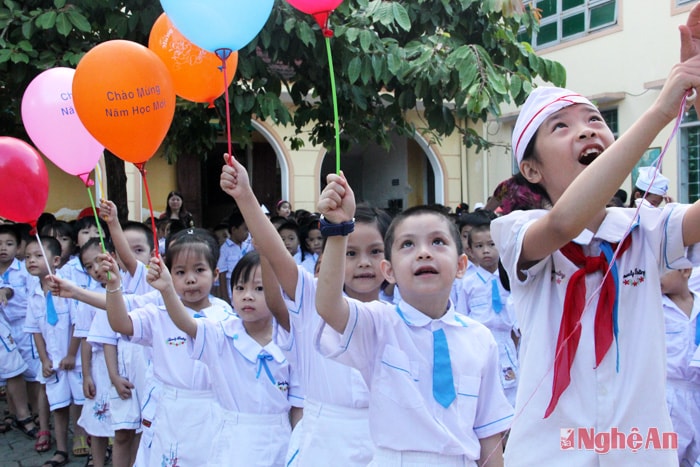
column 689, row 190
column 610, row 117
column 563, row 20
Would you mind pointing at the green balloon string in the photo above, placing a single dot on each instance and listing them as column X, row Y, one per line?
column 99, row 226
column 336, row 120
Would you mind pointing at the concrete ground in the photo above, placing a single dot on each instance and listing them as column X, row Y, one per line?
column 16, row 450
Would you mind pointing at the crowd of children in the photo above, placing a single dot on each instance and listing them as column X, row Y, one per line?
column 345, row 337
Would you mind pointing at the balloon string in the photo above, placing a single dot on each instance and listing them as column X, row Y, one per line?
column 43, row 252
column 142, row 169
column 656, row 164
column 223, row 55
column 336, row 122
column 99, row 225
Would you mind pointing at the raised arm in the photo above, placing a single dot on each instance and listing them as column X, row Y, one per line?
column 66, row 288
column 117, row 315
column 160, row 279
column 582, row 204
column 273, row 296
column 108, row 212
column 337, row 204
column 235, row 182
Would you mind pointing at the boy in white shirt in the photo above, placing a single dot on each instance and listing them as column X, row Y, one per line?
column 483, row 298
column 457, row 409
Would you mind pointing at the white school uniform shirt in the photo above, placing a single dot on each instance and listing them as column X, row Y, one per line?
column 230, row 253
column 322, row 379
column 171, row 361
column 391, row 346
column 133, row 286
column 599, row 398
column 680, row 341
column 57, row 337
column 75, row 272
column 475, row 300
column 246, row 377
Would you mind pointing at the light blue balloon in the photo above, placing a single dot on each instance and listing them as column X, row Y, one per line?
column 218, row 24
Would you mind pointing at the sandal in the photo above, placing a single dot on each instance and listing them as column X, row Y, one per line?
column 80, row 446
column 88, row 461
column 8, row 421
column 30, row 433
column 43, row 441
column 54, row 463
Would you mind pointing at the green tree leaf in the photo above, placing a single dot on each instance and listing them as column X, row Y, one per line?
column 63, row 25
column 401, row 16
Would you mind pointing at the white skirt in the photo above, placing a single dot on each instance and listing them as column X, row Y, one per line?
column 255, row 440
column 184, row 427
column 96, row 417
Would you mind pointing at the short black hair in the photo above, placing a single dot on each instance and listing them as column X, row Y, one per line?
column 235, row 220
column 366, row 214
column 58, row 229
column 11, row 229
column 193, row 238
column 89, row 221
column 49, row 243
column 140, row 227
column 244, row 268
column 92, row 243
column 417, row 211
column 477, row 229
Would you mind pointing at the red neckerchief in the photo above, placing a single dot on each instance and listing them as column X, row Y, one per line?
column 574, row 302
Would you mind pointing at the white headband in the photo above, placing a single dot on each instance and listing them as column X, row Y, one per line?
column 540, row 104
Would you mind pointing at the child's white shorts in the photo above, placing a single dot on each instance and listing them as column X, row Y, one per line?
column 64, row 387
column 11, row 362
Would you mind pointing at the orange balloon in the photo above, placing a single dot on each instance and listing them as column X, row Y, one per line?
column 197, row 73
column 123, row 94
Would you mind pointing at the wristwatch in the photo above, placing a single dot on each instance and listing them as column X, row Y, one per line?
column 329, row 229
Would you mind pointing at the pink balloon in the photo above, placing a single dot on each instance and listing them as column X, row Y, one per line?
column 53, row 124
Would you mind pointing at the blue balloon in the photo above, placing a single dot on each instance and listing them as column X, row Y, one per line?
column 218, row 24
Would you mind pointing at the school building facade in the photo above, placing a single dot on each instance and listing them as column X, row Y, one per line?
column 616, row 52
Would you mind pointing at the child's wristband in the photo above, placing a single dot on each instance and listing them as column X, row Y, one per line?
column 329, row 229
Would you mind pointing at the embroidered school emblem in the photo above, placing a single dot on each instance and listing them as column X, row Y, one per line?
column 170, row 460
column 100, row 410
column 558, row 276
column 283, row 386
column 176, row 341
column 634, row 278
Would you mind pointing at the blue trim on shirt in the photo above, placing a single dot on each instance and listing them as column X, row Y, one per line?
column 491, row 423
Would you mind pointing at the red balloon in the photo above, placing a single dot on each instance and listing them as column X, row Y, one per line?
column 24, row 181
column 319, row 9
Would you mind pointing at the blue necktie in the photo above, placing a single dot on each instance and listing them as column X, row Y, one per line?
column 262, row 363
column 6, row 276
column 51, row 315
column 496, row 302
column 443, row 384
column 697, row 330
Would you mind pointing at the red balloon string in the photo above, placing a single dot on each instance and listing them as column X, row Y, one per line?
column 142, row 169
column 223, row 55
